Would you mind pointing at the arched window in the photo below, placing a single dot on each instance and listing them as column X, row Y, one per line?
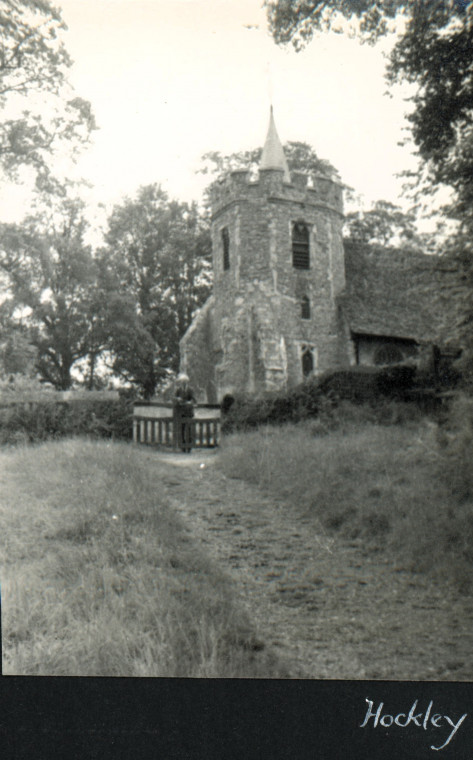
column 305, row 307
column 226, row 248
column 388, row 354
column 307, row 362
column 300, row 246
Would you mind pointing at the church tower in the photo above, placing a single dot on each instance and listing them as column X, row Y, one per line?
column 278, row 265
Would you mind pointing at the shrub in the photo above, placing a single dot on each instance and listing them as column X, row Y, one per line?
column 363, row 393
column 368, row 384
column 35, row 422
column 455, row 438
column 294, row 405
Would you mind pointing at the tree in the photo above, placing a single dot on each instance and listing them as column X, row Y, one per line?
column 17, row 353
column 434, row 52
column 33, row 70
column 384, row 224
column 158, row 254
column 300, row 157
column 52, row 279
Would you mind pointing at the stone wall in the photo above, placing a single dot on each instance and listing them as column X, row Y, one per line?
column 200, row 354
column 251, row 335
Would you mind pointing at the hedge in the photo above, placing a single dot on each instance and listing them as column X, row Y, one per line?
column 357, row 385
column 39, row 421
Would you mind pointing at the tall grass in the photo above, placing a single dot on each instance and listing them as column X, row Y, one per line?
column 455, row 439
column 385, row 485
column 100, row 577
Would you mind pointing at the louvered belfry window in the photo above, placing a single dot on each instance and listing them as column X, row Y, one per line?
column 300, row 246
column 226, row 248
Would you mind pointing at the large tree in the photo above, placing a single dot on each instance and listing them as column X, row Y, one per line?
column 53, row 291
column 41, row 112
column 158, row 255
column 434, row 51
column 384, row 224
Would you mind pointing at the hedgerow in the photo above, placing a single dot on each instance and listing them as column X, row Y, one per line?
column 376, row 389
column 45, row 420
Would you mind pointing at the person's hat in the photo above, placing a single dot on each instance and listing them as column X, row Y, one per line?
column 182, row 378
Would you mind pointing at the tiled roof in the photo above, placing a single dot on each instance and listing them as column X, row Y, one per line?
column 394, row 293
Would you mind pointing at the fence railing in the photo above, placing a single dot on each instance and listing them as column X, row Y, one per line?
column 166, row 431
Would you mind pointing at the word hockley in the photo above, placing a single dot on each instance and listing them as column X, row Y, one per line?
column 427, row 720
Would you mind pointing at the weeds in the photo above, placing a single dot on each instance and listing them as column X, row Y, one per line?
column 22, row 423
column 101, row 577
column 391, row 486
column 376, row 391
column 455, row 440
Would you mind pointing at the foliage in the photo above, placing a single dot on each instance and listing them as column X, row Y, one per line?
column 297, row 22
column 157, row 261
column 327, row 412
column 313, row 398
column 54, row 298
column 45, row 420
column 376, row 388
column 33, row 69
column 384, row 224
column 17, row 353
column 300, row 158
column 434, row 51
column 455, row 438
column 459, row 259
column 368, row 384
column 22, row 387
column 127, row 305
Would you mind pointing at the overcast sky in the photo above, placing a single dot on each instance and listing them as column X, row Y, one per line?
column 171, row 79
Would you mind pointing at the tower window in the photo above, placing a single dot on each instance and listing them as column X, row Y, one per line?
column 307, row 362
column 226, row 248
column 305, row 307
column 300, row 246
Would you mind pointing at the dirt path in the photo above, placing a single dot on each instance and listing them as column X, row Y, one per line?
column 323, row 605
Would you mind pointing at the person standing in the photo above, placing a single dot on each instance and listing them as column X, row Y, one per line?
column 183, row 412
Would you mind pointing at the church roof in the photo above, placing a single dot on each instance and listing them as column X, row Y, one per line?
column 394, row 293
column 273, row 153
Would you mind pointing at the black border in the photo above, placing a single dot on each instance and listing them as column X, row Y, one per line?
column 183, row 719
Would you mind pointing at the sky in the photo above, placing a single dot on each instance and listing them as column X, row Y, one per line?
column 171, row 79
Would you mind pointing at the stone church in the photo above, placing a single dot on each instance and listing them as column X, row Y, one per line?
column 289, row 300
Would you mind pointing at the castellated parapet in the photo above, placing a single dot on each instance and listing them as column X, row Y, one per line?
column 278, row 265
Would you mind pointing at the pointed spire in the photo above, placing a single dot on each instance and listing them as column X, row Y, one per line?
column 273, row 153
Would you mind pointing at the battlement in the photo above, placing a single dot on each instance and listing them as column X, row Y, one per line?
column 314, row 190
column 279, row 267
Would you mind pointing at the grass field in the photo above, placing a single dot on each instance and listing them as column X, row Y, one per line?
column 392, row 485
column 101, row 578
